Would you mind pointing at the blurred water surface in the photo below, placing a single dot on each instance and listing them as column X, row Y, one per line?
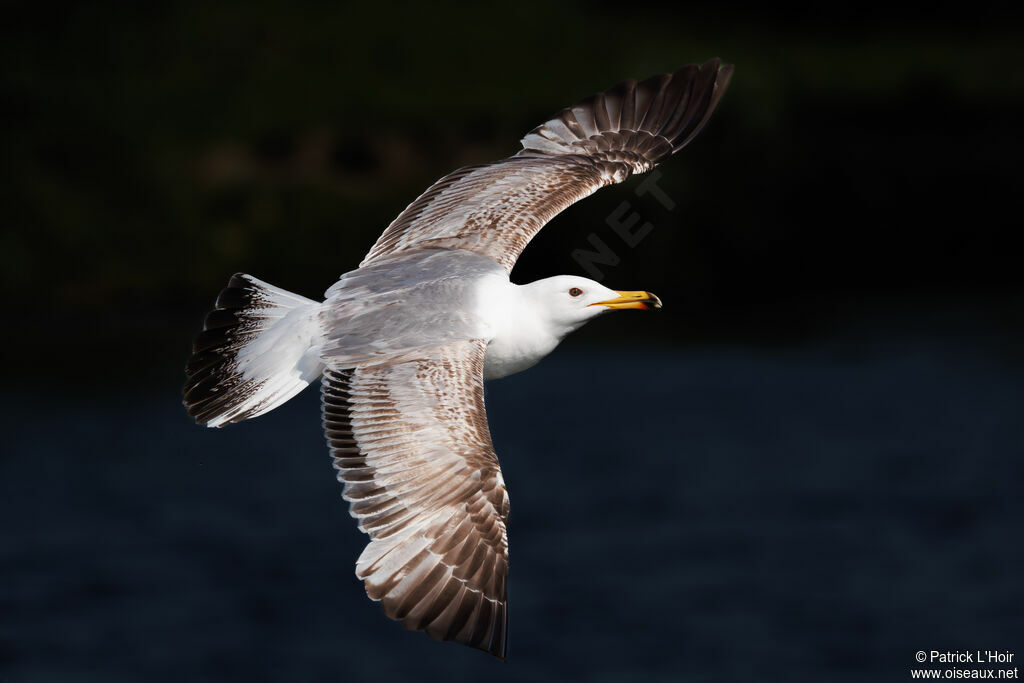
column 811, row 512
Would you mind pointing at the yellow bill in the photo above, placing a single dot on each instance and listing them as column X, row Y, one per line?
column 643, row 301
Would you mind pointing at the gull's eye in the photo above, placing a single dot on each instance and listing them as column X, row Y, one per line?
column 575, row 291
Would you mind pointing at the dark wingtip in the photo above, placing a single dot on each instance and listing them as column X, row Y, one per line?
column 637, row 123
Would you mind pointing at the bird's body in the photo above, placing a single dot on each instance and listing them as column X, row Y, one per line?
column 403, row 343
column 439, row 296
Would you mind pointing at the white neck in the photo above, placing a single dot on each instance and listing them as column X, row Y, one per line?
column 521, row 333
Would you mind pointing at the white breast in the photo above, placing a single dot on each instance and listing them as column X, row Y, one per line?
column 519, row 336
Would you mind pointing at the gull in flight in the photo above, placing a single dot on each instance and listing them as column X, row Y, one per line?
column 403, row 344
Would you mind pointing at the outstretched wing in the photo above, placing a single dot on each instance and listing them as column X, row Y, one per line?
column 496, row 209
column 411, row 444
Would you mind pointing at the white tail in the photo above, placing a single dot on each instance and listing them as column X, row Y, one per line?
column 259, row 347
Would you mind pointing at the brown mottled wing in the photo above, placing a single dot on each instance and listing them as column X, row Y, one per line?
column 411, row 444
column 496, row 209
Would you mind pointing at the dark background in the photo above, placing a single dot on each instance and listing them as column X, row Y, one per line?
column 807, row 467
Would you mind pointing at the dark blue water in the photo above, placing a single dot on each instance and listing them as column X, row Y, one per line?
column 805, row 513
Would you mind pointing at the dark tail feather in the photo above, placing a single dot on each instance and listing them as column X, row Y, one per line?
column 258, row 348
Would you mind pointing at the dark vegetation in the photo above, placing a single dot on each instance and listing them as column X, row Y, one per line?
column 860, row 159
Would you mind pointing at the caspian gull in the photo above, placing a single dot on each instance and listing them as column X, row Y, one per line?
column 403, row 344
